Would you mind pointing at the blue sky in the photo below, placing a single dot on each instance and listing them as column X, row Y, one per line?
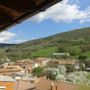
column 64, row 16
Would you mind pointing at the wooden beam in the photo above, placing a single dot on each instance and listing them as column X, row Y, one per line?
column 8, row 11
column 38, row 2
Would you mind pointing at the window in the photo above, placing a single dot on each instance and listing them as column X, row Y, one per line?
column 2, row 87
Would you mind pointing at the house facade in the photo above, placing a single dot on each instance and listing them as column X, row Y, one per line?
column 7, row 83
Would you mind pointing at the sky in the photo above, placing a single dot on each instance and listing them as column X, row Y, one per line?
column 64, row 16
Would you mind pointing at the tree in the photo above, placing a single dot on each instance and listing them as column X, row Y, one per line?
column 82, row 58
column 70, row 68
column 58, row 73
column 62, row 49
column 3, row 56
column 85, row 48
column 51, row 73
column 73, row 51
column 39, row 71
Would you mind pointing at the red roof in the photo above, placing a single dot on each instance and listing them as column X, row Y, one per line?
column 24, row 85
column 44, row 84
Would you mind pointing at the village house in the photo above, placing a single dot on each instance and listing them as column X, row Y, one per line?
column 42, row 61
column 61, row 54
column 35, row 65
column 10, row 69
column 27, row 65
column 63, row 62
column 77, row 66
column 24, row 85
column 24, row 62
column 7, row 83
column 87, row 65
column 44, row 84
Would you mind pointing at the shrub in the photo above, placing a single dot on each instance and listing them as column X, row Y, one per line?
column 39, row 71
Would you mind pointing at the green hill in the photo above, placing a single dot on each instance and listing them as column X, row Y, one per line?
column 74, row 36
column 74, row 42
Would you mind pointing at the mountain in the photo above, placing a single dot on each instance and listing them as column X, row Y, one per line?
column 74, row 36
column 3, row 45
column 75, row 40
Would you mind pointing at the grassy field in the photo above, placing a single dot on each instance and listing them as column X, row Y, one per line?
column 44, row 52
column 87, row 54
column 48, row 52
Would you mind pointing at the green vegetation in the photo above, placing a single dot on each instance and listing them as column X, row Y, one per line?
column 84, row 87
column 82, row 57
column 87, row 54
column 75, row 42
column 39, row 71
column 59, row 73
column 46, row 52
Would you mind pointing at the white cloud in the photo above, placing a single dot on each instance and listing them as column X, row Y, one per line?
column 64, row 12
column 6, row 36
column 17, row 41
column 87, row 15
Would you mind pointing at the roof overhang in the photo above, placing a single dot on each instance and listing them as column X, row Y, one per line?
column 13, row 12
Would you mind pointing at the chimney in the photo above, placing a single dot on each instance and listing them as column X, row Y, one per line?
column 52, row 86
column 56, row 87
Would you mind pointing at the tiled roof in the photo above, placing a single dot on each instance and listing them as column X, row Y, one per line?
column 44, row 84
column 24, row 85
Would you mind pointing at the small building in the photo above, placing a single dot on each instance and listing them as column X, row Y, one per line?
column 10, row 69
column 61, row 54
column 87, row 65
column 77, row 66
column 7, row 83
column 36, row 65
column 62, row 62
column 42, row 61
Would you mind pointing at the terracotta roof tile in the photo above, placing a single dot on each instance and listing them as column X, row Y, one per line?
column 46, row 85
